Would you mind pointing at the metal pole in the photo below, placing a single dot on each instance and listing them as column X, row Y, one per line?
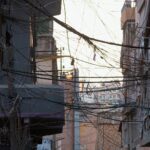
column 76, row 113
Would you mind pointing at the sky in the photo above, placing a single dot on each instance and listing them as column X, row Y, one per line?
column 98, row 19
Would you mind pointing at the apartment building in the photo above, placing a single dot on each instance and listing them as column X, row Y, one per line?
column 29, row 109
column 106, row 94
column 110, row 97
column 135, row 22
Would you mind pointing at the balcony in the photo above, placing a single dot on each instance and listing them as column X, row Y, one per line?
column 42, row 106
column 127, row 12
column 41, row 8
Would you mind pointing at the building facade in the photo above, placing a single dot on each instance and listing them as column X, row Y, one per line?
column 29, row 109
column 99, row 133
column 69, row 139
column 65, row 140
column 135, row 22
column 110, row 97
column 106, row 94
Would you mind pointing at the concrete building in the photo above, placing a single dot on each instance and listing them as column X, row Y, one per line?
column 69, row 139
column 46, row 52
column 135, row 22
column 109, row 97
column 103, row 95
column 28, row 109
column 99, row 133
column 66, row 141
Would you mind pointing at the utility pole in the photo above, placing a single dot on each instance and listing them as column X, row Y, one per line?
column 100, row 134
column 33, row 46
column 6, row 42
column 14, row 119
column 4, row 143
column 54, row 64
column 76, row 112
column 13, row 100
column 97, row 145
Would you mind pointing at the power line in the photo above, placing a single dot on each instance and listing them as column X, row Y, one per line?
column 45, row 76
column 85, row 37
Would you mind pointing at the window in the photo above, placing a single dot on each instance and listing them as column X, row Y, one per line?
column 103, row 96
column 44, row 26
column 114, row 96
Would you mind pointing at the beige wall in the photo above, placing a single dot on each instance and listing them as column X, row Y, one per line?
column 44, row 65
column 67, row 135
column 87, row 137
column 127, row 14
column 108, row 137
